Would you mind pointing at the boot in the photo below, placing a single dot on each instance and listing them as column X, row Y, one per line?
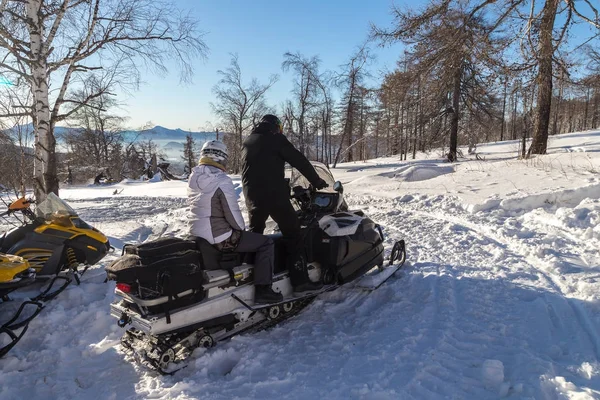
column 308, row 286
column 264, row 294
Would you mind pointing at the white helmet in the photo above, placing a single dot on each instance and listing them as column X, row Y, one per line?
column 216, row 151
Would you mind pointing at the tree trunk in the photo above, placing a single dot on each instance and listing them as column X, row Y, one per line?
column 398, row 126
column 539, row 144
column 388, row 140
column 452, row 155
column 503, row 111
column 377, row 137
column 347, row 133
column 596, row 109
column 558, row 105
column 586, row 111
column 44, row 165
column 570, row 119
column 415, row 129
column 513, row 134
column 527, row 112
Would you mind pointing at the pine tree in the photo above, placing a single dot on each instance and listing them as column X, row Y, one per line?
column 189, row 153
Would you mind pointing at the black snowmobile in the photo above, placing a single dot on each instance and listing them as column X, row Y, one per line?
column 178, row 296
column 50, row 240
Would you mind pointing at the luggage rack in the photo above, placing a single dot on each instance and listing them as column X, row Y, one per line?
column 213, row 278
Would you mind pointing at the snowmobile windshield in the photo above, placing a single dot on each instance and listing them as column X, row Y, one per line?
column 54, row 207
column 297, row 179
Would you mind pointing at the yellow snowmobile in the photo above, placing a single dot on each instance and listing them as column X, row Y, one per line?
column 51, row 239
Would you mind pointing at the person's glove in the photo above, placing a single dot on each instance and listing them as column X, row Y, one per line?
column 320, row 184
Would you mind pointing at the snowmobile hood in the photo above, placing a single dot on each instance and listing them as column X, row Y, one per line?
column 10, row 266
column 204, row 178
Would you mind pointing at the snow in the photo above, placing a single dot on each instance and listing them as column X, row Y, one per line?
column 499, row 297
column 492, row 372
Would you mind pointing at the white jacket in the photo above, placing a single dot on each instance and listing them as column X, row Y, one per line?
column 213, row 204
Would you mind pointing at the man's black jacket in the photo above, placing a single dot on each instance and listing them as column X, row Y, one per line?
column 264, row 155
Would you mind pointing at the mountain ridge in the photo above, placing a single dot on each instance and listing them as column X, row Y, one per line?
column 156, row 132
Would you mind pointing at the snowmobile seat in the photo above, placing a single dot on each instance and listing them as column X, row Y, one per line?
column 213, row 259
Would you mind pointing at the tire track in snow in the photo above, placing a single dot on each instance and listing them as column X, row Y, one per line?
column 401, row 219
column 446, row 348
column 582, row 316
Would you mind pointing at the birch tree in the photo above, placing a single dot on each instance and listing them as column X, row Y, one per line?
column 54, row 46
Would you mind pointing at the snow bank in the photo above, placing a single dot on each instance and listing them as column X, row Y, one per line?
column 560, row 198
column 416, row 173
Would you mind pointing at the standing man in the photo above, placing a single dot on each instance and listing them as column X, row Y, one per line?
column 265, row 152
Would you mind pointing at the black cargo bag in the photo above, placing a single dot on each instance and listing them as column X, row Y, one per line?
column 169, row 275
column 160, row 247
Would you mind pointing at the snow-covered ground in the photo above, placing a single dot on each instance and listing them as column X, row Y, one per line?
column 499, row 298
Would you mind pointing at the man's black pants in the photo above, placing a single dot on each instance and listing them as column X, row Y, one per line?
column 284, row 215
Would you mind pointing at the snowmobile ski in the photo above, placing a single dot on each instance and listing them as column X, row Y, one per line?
column 383, row 274
column 38, row 303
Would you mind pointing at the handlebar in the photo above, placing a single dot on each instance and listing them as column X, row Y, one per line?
column 302, row 194
column 22, row 204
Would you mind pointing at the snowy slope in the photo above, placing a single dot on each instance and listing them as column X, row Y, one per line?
column 500, row 297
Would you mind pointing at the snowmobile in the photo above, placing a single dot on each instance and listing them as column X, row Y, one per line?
column 49, row 241
column 213, row 297
column 53, row 238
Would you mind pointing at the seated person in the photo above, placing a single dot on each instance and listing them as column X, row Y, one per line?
column 216, row 217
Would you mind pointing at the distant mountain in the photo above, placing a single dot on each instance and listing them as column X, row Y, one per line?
column 162, row 134
column 157, row 133
column 170, row 141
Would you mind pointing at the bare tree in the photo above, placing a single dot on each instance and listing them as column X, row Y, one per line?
column 309, row 92
column 47, row 42
column 349, row 79
column 18, row 138
column 95, row 143
column 449, row 45
column 544, row 28
column 239, row 106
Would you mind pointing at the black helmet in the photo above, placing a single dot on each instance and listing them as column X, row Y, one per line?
column 273, row 120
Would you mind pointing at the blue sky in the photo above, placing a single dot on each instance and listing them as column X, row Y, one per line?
column 260, row 32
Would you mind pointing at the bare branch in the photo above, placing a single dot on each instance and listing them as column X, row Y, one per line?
column 572, row 7
column 12, row 115
column 56, row 24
